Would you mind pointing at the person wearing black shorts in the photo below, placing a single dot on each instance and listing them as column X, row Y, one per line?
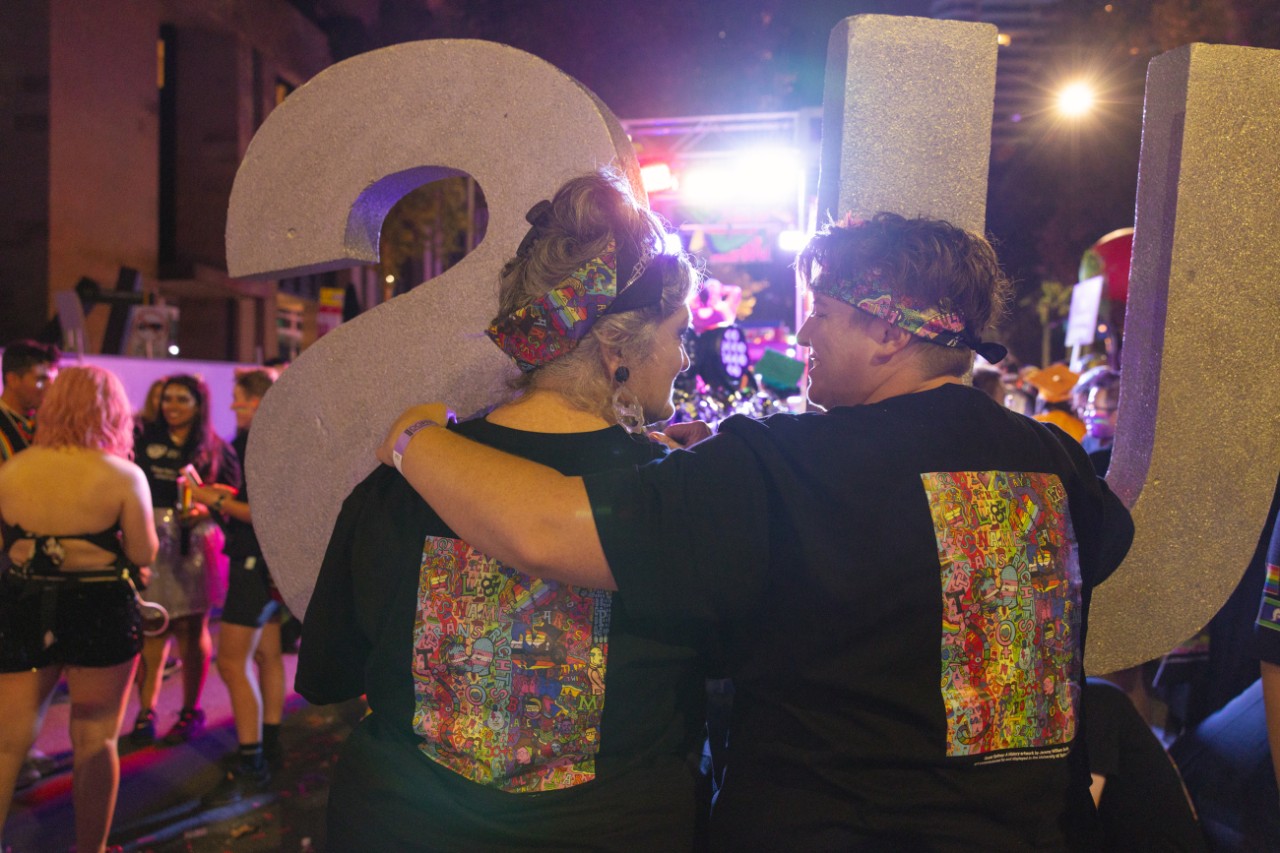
column 75, row 518
column 250, row 620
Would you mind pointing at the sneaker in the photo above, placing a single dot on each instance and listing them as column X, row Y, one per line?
column 190, row 723
column 241, row 783
column 144, row 728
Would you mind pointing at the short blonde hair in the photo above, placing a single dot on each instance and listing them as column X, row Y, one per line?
column 934, row 263
column 86, row 407
column 256, row 381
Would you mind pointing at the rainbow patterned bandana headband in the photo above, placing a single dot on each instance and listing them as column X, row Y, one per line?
column 935, row 325
column 554, row 323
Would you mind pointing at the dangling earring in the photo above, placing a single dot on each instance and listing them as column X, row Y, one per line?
column 626, row 406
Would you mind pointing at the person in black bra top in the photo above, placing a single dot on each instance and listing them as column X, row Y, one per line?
column 75, row 518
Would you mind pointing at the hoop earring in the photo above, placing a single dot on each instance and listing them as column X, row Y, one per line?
column 627, row 409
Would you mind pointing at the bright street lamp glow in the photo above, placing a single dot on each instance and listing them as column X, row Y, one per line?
column 1075, row 100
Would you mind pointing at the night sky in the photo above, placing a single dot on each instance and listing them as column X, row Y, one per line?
column 654, row 57
column 1062, row 187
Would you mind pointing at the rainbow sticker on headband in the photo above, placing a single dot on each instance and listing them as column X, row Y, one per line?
column 552, row 324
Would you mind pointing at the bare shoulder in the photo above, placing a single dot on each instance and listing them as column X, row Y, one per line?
column 89, row 468
column 124, row 470
column 13, row 469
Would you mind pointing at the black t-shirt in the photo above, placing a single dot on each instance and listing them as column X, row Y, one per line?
column 1144, row 806
column 162, row 461
column 491, row 692
column 905, row 587
column 242, row 541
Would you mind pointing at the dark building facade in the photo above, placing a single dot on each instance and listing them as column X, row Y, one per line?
column 121, row 128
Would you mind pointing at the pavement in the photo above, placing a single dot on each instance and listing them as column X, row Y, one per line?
column 158, row 809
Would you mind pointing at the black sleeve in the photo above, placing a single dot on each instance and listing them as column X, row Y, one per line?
column 1144, row 805
column 229, row 470
column 687, row 536
column 331, row 660
column 1116, row 534
column 1103, row 525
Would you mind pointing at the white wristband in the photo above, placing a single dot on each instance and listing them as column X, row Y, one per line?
column 402, row 443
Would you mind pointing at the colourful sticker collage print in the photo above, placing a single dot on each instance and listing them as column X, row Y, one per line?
column 509, row 671
column 1011, row 610
column 1269, row 612
column 552, row 324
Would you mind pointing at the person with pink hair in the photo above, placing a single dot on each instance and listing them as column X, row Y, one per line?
column 75, row 519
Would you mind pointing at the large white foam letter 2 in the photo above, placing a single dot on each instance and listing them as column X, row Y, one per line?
column 316, row 183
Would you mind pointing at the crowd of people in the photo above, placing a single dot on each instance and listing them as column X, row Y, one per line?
column 537, row 603
column 112, row 527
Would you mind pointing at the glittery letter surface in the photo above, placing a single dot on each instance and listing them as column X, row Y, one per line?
column 906, row 121
column 1198, row 438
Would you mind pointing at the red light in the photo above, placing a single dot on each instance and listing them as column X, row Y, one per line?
column 657, row 178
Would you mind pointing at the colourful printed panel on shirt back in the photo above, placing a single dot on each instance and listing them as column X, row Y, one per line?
column 509, row 671
column 1011, row 657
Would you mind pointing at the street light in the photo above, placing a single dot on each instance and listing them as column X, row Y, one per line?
column 1075, row 99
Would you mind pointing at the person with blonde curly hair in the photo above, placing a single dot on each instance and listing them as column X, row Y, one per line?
column 75, row 518
column 508, row 713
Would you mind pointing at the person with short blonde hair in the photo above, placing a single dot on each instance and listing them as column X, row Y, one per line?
column 75, row 518
column 250, row 633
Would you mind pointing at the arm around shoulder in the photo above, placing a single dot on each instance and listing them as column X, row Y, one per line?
column 527, row 515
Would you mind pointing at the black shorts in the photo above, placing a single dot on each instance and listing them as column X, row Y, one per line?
column 94, row 623
column 251, row 596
